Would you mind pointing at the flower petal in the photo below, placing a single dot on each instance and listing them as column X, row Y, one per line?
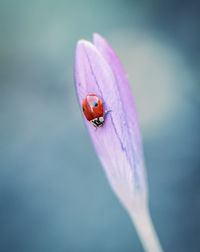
column 124, row 88
column 118, row 142
column 126, row 96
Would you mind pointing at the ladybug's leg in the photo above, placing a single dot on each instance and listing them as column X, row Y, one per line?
column 107, row 112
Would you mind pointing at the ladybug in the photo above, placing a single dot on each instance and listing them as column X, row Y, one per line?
column 93, row 110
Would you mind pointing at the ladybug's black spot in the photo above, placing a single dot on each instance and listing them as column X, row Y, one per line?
column 83, row 109
column 95, row 104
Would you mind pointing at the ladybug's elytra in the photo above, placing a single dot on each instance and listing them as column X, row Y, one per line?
column 93, row 110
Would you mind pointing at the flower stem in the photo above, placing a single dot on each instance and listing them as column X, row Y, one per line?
column 145, row 229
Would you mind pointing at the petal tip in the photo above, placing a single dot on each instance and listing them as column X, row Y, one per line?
column 81, row 47
column 96, row 35
column 85, row 45
column 102, row 45
column 82, row 43
column 98, row 38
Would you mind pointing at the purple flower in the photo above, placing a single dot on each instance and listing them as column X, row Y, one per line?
column 118, row 143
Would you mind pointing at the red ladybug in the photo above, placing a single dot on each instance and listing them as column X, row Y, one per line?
column 93, row 110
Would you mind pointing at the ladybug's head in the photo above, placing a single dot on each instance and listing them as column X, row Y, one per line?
column 98, row 122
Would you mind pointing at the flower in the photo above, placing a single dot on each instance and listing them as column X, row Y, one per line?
column 118, row 143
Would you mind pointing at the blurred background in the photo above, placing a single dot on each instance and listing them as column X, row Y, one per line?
column 54, row 195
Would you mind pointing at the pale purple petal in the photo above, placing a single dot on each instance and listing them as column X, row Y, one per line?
column 126, row 96
column 124, row 88
column 118, row 142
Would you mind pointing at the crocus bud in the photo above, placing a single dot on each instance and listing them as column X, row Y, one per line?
column 118, row 142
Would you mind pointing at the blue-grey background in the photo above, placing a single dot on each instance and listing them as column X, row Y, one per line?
column 54, row 195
